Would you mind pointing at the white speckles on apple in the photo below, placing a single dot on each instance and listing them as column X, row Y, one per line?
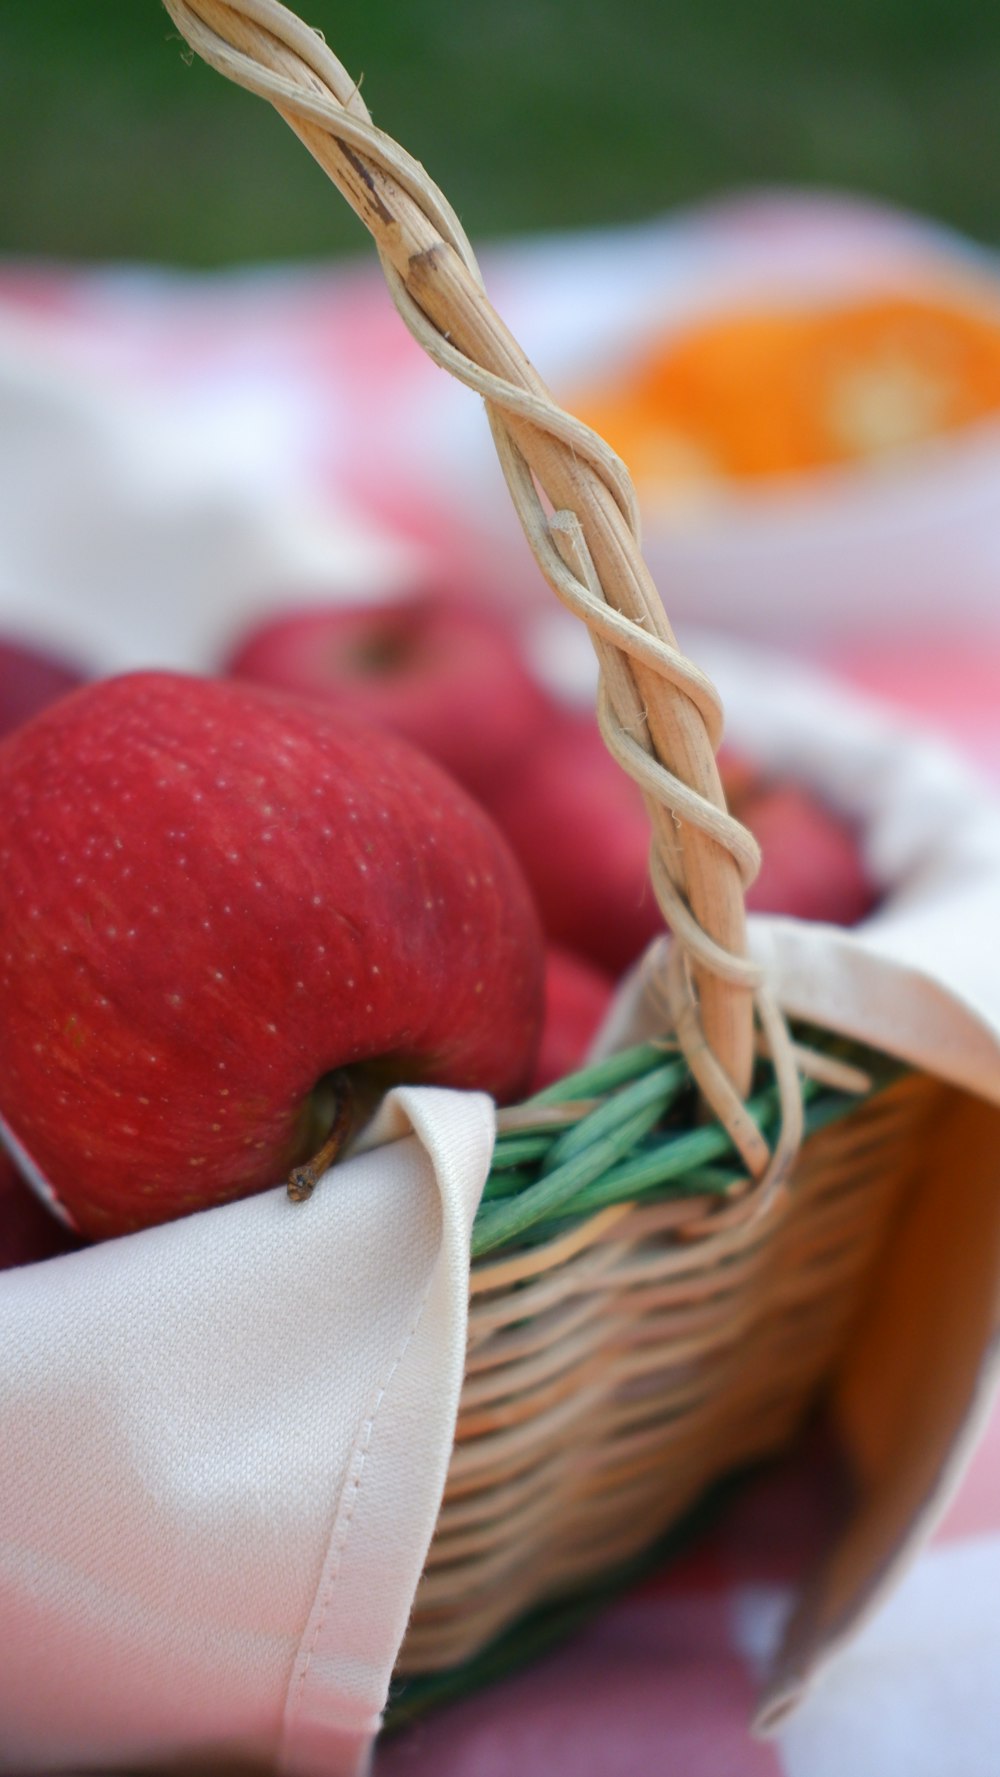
column 317, row 900
column 175, row 999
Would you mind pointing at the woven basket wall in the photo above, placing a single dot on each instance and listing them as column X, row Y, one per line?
column 613, row 1374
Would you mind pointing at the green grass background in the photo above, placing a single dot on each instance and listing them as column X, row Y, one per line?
column 532, row 114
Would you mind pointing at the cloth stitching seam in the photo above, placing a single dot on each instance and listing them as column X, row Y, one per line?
column 344, row 1516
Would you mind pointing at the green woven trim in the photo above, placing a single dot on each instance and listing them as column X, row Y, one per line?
column 641, row 1140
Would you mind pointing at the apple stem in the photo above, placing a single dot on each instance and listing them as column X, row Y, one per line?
column 302, row 1180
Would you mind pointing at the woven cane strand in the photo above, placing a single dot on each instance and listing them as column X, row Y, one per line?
column 660, row 713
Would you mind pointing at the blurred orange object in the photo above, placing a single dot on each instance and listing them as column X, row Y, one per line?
column 778, row 391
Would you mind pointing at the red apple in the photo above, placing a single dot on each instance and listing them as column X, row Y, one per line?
column 741, row 777
column 580, row 829
column 812, row 867
column 27, row 1231
column 448, row 676
column 30, row 679
column 213, row 897
column 577, row 996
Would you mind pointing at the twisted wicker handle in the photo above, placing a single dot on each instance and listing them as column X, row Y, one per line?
column 659, row 714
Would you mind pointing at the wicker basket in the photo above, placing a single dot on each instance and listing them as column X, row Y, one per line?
column 620, row 1358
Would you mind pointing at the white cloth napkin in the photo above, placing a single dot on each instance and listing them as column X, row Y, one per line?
column 222, row 1449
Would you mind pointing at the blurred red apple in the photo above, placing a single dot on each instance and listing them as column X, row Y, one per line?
column 27, row 1230
column 447, row 676
column 577, row 996
column 740, row 776
column 812, row 867
column 30, row 679
column 580, row 829
column 214, row 897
